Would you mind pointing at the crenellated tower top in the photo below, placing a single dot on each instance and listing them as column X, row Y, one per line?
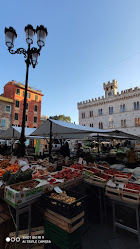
column 110, row 88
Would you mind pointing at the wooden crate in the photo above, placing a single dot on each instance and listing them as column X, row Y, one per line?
column 113, row 192
column 121, row 179
column 36, row 231
column 70, row 183
column 130, row 197
column 68, row 225
column 95, row 181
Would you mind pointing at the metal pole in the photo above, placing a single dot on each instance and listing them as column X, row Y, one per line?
column 50, row 143
column 13, row 142
column 100, row 203
column 22, row 137
column 17, row 225
column 113, row 203
column 137, row 220
column 98, row 143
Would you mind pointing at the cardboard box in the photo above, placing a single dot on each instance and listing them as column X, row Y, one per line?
column 17, row 197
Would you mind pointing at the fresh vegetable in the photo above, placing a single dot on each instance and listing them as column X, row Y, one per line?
column 19, row 176
column 63, row 197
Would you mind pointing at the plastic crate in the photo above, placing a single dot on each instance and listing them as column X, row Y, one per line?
column 65, row 209
column 61, row 238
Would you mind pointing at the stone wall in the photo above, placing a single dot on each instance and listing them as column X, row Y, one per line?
column 126, row 97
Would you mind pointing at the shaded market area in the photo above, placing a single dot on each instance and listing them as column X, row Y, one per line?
column 76, row 187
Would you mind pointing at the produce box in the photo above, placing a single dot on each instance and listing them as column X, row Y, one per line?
column 67, row 173
column 69, row 225
column 17, row 197
column 88, row 173
column 61, row 238
column 113, row 192
column 72, row 182
column 122, row 177
column 95, row 181
column 66, row 209
column 131, row 193
column 95, row 176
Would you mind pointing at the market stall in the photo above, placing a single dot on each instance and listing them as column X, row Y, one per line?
column 25, row 182
column 63, row 130
column 110, row 181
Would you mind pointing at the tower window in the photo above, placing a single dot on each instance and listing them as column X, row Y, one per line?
column 110, row 110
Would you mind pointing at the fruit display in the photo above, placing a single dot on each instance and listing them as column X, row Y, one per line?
column 67, row 174
column 111, row 172
column 6, row 166
column 22, row 186
column 94, row 170
column 41, row 174
column 123, row 175
column 103, row 176
column 4, row 163
column 52, row 181
column 132, row 188
column 63, row 197
column 77, row 166
column 19, row 176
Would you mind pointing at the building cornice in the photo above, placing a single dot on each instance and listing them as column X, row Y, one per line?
column 20, row 85
column 6, row 99
column 101, row 101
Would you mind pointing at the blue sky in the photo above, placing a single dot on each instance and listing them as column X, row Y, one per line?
column 89, row 42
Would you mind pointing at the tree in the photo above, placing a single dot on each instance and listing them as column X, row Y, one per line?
column 61, row 118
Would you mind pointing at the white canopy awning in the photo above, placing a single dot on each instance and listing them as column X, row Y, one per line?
column 66, row 130
column 15, row 132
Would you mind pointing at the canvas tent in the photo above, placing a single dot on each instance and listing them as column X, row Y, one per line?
column 15, row 132
column 59, row 129
column 63, row 130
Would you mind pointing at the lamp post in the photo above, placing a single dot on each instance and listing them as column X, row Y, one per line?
column 31, row 57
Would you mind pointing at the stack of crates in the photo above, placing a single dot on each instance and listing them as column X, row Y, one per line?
column 61, row 238
column 63, row 221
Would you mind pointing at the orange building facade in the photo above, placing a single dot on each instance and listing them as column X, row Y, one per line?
column 15, row 91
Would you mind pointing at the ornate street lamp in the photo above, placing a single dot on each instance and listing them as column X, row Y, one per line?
column 31, row 55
